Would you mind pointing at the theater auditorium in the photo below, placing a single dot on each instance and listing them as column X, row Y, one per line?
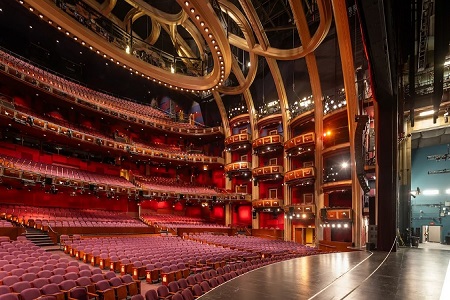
column 224, row 149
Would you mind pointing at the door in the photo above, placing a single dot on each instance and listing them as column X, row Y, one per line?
column 299, row 236
column 309, row 236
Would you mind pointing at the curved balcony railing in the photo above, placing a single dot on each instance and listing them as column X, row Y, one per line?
column 268, row 171
column 237, row 140
column 300, row 208
column 270, row 140
column 70, row 132
column 73, row 92
column 264, row 203
column 238, row 166
column 300, row 141
column 303, row 174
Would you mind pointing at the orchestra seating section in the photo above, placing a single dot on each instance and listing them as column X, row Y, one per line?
column 253, row 244
column 73, row 89
column 28, row 272
column 48, row 170
column 43, row 217
column 181, row 263
column 172, row 185
column 175, row 221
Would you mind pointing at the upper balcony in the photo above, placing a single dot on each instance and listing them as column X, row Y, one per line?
column 302, row 176
column 268, row 144
column 300, row 144
column 74, row 93
column 76, row 135
column 238, row 169
column 240, row 141
column 266, row 173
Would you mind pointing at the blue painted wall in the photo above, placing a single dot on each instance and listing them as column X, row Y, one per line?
column 427, row 209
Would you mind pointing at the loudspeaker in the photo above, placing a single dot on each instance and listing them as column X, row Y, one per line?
column 214, row 198
column 91, row 187
column 323, row 213
column 255, row 183
column 254, row 214
column 291, row 210
column 141, row 193
column 48, row 180
column 182, row 196
column 359, row 152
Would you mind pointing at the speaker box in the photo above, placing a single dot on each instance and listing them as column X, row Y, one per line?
column 254, row 214
column 91, row 187
column 214, row 198
column 291, row 210
column 323, row 213
column 141, row 193
column 48, row 181
column 255, row 183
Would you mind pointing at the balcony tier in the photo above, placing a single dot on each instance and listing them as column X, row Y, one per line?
column 63, row 131
column 300, row 175
column 268, row 143
column 238, row 166
column 237, row 141
column 306, row 139
column 268, row 172
column 264, row 203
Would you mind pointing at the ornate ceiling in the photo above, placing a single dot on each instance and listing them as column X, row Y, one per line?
column 210, row 48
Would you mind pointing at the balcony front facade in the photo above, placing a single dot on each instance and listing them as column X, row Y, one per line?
column 265, row 173
column 236, row 142
column 238, row 169
column 303, row 176
column 268, row 144
column 300, row 145
column 267, row 203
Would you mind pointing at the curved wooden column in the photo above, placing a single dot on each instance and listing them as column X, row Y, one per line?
column 345, row 49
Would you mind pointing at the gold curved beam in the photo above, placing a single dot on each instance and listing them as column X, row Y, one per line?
column 294, row 53
column 251, row 14
column 154, row 35
column 160, row 16
column 348, row 72
column 100, row 8
column 202, row 14
column 133, row 14
column 108, row 6
column 234, row 13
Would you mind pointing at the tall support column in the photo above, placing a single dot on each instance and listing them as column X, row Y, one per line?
column 404, row 199
column 348, row 71
column 386, row 173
